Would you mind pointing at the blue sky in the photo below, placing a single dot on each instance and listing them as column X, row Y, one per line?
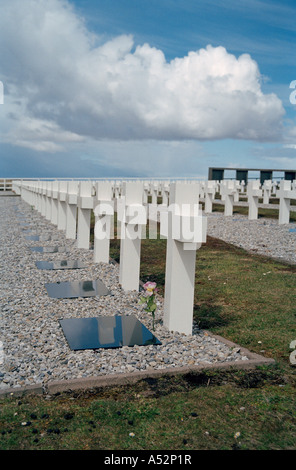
column 97, row 88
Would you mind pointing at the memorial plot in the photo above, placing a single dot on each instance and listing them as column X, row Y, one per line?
column 60, row 265
column 71, row 290
column 106, row 332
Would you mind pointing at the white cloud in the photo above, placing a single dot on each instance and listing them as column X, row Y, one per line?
column 73, row 86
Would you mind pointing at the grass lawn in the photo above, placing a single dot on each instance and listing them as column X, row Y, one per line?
column 245, row 298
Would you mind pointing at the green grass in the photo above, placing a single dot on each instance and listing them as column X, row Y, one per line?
column 262, row 212
column 246, row 298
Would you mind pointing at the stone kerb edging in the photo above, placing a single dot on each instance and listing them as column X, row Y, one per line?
column 113, row 380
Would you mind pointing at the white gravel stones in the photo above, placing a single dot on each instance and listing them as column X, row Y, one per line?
column 34, row 349
column 262, row 236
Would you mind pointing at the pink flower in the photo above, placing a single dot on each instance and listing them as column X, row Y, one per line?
column 150, row 288
column 149, row 285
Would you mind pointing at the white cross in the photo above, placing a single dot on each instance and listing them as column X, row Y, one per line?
column 285, row 194
column 253, row 192
column 185, row 230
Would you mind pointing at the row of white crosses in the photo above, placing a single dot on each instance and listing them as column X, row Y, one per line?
column 229, row 190
column 181, row 223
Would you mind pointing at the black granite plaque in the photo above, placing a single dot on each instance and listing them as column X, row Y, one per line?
column 71, row 290
column 46, row 238
column 49, row 249
column 60, row 264
column 106, row 332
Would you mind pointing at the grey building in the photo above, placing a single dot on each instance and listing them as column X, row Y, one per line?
column 242, row 174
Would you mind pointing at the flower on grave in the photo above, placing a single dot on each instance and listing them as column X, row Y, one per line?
column 149, row 298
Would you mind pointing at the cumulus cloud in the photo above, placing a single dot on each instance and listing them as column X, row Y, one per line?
column 65, row 84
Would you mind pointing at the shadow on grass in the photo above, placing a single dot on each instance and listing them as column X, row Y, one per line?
column 209, row 316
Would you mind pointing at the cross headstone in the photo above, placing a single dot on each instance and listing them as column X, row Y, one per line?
column 43, row 198
column 71, row 209
column 48, row 200
column 85, row 206
column 104, row 211
column 237, row 186
column 146, row 188
column 285, row 194
column 253, row 193
column 165, row 191
column 185, row 230
column 266, row 188
column 38, row 196
column 154, row 191
column 228, row 191
column 209, row 190
column 132, row 216
column 62, row 208
column 54, row 202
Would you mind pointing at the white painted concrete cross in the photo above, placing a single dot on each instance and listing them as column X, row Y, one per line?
column 154, row 191
column 146, row 188
column 185, row 230
column 132, row 215
column 39, row 196
column 238, row 188
column 266, row 188
column 48, row 200
column 165, row 191
column 210, row 190
column 85, row 206
column 71, row 209
column 62, row 206
column 104, row 211
column 285, row 194
column 43, row 198
column 54, row 202
column 274, row 187
column 253, row 193
column 228, row 191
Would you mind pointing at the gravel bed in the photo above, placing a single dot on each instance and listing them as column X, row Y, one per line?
column 33, row 348
column 263, row 236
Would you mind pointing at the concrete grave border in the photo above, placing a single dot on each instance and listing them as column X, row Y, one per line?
column 113, row 380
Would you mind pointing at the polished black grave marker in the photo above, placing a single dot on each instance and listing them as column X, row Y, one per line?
column 48, row 249
column 106, row 332
column 60, row 264
column 71, row 290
